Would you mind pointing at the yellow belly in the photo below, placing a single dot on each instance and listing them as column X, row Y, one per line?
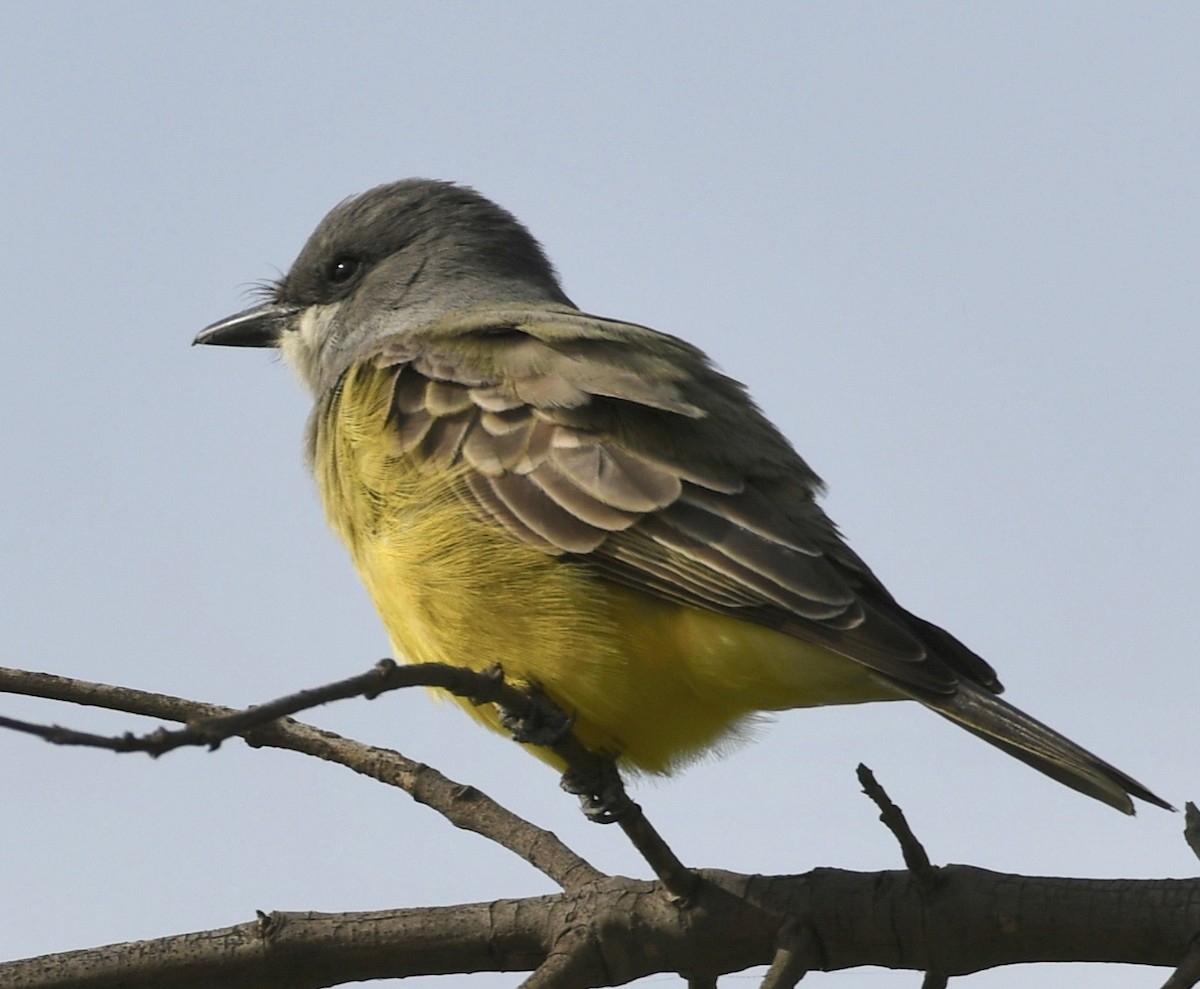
column 649, row 680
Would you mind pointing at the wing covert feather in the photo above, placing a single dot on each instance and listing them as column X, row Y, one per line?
column 623, row 450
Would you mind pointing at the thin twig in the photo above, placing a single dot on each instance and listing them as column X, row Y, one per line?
column 678, row 880
column 596, row 781
column 892, row 816
column 1191, row 827
column 212, row 730
column 519, row 705
column 463, row 806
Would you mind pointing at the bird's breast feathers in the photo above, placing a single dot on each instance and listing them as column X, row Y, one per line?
column 645, row 676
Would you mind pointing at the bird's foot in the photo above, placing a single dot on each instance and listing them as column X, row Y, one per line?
column 541, row 722
column 600, row 791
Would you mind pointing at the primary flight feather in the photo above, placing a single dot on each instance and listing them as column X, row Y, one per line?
column 588, row 502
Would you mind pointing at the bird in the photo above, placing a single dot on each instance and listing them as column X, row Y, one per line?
column 589, row 503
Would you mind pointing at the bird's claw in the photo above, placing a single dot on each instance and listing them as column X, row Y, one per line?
column 541, row 723
column 601, row 794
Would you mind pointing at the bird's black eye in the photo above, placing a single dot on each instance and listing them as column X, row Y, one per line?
column 342, row 269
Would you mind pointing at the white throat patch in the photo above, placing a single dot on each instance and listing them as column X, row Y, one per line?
column 304, row 346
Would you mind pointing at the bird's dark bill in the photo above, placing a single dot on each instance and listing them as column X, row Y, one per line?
column 260, row 326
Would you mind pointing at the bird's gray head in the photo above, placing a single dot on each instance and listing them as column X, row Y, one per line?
column 391, row 259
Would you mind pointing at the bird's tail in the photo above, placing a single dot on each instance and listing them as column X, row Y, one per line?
column 996, row 721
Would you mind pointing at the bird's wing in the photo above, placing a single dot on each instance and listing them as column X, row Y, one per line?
column 622, row 449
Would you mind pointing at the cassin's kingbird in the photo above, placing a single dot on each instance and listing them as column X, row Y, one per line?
column 588, row 503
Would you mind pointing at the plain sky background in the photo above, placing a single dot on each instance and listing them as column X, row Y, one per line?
column 951, row 247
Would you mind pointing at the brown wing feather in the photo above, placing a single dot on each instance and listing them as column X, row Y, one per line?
column 623, row 450
column 560, row 423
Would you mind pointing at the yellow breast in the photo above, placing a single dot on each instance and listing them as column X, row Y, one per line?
column 650, row 680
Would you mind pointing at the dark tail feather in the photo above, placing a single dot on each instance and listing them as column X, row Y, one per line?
column 1027, row 739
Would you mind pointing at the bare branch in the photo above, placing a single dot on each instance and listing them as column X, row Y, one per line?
column 1191, row 827
column 797, row 954
column 58, row 735
column 969, row 920
column 520, row 707
column 615, row 930
column 1187, row 974
column 893, row 817
column 569, row 964
column 463, row 806
column 595, row 780
column 212, row 729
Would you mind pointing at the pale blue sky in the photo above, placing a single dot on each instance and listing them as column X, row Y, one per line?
column 952, row 248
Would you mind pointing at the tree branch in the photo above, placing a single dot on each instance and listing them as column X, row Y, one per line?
column 893, row 817
column 209, row 726
column 1187, row 973
column 795, row 956
column 463, row 806
column 1191, row 827
column 605, row 931
column 615, row 930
